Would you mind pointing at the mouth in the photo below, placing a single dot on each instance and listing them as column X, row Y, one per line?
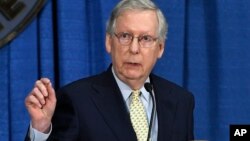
column 134, row 64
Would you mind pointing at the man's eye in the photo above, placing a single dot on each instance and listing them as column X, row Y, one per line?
column 125, row 36
column 147, row 38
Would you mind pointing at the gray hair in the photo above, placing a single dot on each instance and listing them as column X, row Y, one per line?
column 125, row 5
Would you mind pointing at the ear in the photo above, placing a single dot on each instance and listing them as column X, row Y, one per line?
column 161, row 46
column 108, row 42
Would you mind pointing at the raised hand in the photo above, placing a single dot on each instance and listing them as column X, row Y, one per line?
column 41, row 103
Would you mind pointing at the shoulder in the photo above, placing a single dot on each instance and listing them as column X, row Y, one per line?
column 84, row 84
column 162, row 84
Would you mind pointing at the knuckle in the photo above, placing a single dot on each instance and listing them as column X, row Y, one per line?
column 35, row 90
column 37, row 82
column 27, row 99
column 30, row 99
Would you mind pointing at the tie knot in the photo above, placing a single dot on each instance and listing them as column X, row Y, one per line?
column 136, row 93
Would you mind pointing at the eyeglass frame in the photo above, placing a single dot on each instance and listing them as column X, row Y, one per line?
column 140, row 38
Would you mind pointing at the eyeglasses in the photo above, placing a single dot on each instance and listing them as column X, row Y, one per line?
column 126, row 38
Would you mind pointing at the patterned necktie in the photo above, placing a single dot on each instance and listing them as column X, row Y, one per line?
column 138, row 117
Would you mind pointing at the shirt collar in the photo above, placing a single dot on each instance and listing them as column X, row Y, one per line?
column 126, row 90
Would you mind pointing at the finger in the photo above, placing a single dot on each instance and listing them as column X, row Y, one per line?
column 33, row 101
column 45, row 81
column 42, row 87
column 38, row 94
column 51, row 92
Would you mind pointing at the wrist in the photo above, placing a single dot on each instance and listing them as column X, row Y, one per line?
column 43, row 127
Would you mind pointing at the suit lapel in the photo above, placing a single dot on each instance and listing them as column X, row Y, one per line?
column 166, row 108
column 111, row 105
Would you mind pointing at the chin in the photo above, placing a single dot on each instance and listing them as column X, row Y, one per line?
column 132, row 76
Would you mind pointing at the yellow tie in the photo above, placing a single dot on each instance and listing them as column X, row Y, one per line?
column 138, row 117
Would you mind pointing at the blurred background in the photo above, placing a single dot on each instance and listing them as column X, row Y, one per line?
column 207, row 52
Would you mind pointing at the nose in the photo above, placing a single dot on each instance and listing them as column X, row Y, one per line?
column 134, row 46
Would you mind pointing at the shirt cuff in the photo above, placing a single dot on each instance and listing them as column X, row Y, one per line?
column 36, row 135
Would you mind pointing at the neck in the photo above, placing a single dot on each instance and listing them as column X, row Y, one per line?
column 134, row 84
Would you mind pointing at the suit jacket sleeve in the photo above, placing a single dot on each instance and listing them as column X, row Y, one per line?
column 65, row 120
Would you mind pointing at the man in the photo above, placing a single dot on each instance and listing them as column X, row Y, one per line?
column 114, row 105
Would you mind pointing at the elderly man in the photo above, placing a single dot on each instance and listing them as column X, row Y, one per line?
column 116, row 105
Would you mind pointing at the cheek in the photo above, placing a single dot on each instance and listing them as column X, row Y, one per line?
column 150, row 58
column 115, row 51
column 117, row 54
column 151, row 54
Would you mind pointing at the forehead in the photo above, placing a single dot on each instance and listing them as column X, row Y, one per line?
column 137, row 21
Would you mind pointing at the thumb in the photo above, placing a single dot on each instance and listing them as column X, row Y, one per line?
column 51, row 91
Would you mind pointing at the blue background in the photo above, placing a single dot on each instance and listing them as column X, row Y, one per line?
column 206, row 52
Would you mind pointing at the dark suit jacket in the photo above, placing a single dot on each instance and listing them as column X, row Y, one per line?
column 93, row 109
